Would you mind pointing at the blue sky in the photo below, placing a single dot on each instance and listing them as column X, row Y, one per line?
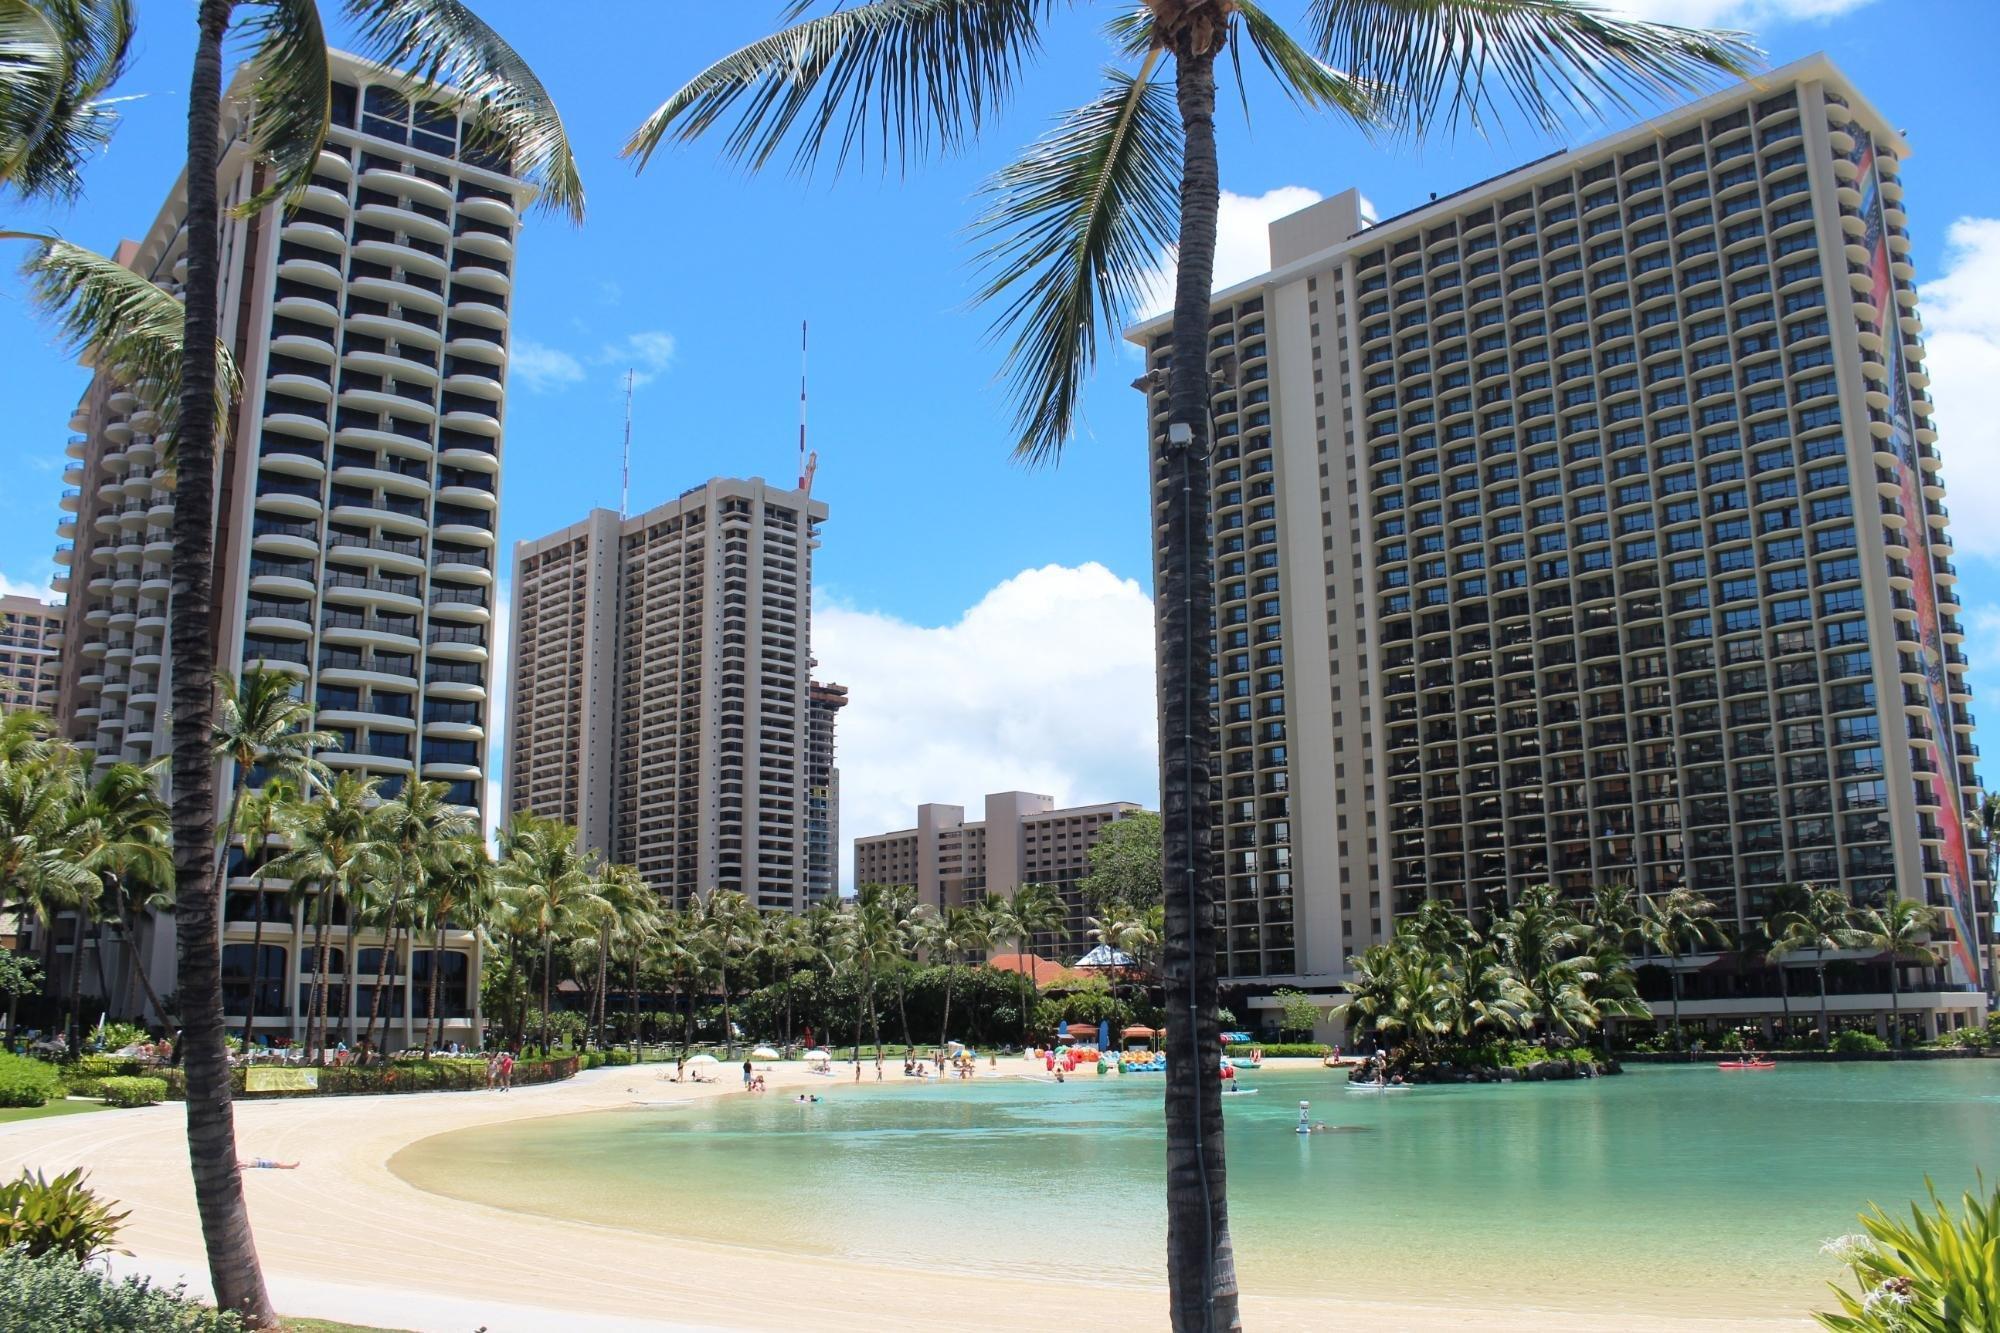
column 991, row 619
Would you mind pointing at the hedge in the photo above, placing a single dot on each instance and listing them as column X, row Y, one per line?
column 1281, row 1049
column 459, row 1074
column 129, row 1092
column 26, row 1081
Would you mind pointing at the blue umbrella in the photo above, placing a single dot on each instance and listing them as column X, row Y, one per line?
column 1103, row 1034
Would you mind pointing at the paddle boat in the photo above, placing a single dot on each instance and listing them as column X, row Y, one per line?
column 1376, row 1088
column 1734, row 1065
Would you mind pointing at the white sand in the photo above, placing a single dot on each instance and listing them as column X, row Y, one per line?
column 344, row 1238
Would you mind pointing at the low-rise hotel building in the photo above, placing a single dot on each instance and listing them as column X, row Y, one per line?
column 29, row 658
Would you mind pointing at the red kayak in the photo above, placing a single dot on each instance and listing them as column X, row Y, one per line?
column 1748, row 1064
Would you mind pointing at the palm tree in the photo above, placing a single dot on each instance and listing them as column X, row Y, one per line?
column 798, row 942
column 1077, row 223
column 549, row 884
column 333, row 842
column 419, row 828
column 1902, row 929
column 458, row 892
column 40, row 782
column 867, row 942
column 119, row 834
column 1823, row 920
column 629, row 907
column 943, row 936
column 260, row 819
column 1678, row 922
column 727, row 924
column 1989, row 825
column 262, row 722
column 1784, row 902
column 1540, row 941
column 1031, row 910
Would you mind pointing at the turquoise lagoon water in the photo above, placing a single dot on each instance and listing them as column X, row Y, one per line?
column 1657, row 1188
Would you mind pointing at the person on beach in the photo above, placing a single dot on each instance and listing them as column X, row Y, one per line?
column 492, row 1069
column 746, row 1073
column 266, row 1164
column 506, row 1071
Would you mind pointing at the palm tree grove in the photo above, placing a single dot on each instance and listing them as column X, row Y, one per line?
column 399, row 936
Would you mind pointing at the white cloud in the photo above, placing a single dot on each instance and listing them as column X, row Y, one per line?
column 544, row 368
column 502, row 640
column 1751, row 14
column 1242, row 242
column 646, row 354
column 1961, row 312
column 1045, row 685
column 11, row 587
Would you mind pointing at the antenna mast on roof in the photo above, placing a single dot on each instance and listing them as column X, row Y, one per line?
column 808, row 463
column 625, row 475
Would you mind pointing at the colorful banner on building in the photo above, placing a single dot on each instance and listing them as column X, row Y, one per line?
column 1916, row 535
column 280, row 1078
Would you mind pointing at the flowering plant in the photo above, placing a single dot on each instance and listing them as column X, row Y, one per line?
column 1936, row 1273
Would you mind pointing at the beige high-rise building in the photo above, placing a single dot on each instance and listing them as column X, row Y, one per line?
column 1585, row 526
column 823, row 792
column 357, row 497
column 1024, row 839
column 29, row 660
column 661, row 692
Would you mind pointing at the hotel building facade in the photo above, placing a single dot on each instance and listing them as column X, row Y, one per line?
column 1024, row 839
column 1586, row 526
column 358, row 500
column 823, row 792
column 661, row 697
column 29, row 661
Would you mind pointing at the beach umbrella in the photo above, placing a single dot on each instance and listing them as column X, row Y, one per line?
column 763, row 1053
column 703, row 1060
column 820, row 1054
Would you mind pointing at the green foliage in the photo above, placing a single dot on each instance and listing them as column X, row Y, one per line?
column 54, row 1292
column 1280, row 1049
column 25, row 1081
column 1125, row 865
column 20, row 975
column 130, row 1092
column 117, row 1036
column 57, row 1216
column 1297, row 1013
column 1855, row 1042
column 455, row 1074
column 1937, row 1273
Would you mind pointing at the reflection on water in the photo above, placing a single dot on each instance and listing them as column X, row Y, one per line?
column 1658, row 1189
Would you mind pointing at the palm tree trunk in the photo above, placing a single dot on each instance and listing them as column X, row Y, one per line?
column 349, row 1010
column 73, row 1016
column 139, row 970
column 1674, row 977
column 903, row 1001
column 381, row 972
column 431, row 1032
column 316, row 1002
column 1785, row 997
column 1825, row 1035
column 548, row 965
column 237, row 1278
column 603, row 960
column 728, row 1036
column 256, row 965
column 1201, row 1269
column 1895, row 1002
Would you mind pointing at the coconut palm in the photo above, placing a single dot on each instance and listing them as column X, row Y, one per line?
column 261, row 817
column 798, row 943
column 1902, row 929
column 262, row 723
column 728, row 929
column 118, row 832
column 1016, row 919
column 333, row 843
column 1073, row 230
column 866, row 944
column 1989, row 826
column 942, row 937
column 1678, row 922
column 458, row 892
column 1823, row 920
column 420, row 827
column 629, row 908
column 39, row 783
column 549, row 884
column 1786, row 900
column 1541, row 941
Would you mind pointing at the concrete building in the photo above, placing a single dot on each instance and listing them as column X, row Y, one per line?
column 661, row 697
column 29, row 661
column 1024, row 839
column 1586, row 526
column 358, row 493
column 823, row 792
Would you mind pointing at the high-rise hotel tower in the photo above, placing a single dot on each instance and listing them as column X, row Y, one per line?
column 1585, row 526
column 358, row 493
column 661, row 697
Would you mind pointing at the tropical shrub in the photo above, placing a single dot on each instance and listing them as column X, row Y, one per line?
column 1933, row 1274
column 1855, row 1042
column 116, row 1036
column 57, row 1216
column 129, row 1092
column 53, row 1291
column 1275, row 1050
column 26, row 1081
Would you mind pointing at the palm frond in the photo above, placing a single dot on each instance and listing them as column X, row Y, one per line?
column 131, row 329
column 445, row 44
column 1450, row 59
column 921, row 75
column 57, row 59
column 1076, row 225
column 1305, row 79
column 292, row 95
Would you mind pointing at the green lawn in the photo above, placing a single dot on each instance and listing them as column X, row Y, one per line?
column 328, row 1326
column 9, row 1114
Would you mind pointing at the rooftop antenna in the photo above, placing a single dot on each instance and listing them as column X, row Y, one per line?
column 625, row 476
column 808, row 462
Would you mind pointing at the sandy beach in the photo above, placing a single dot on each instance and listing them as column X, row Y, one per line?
column 343, row 1237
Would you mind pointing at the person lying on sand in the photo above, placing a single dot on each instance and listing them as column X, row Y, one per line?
column 266, row 1164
